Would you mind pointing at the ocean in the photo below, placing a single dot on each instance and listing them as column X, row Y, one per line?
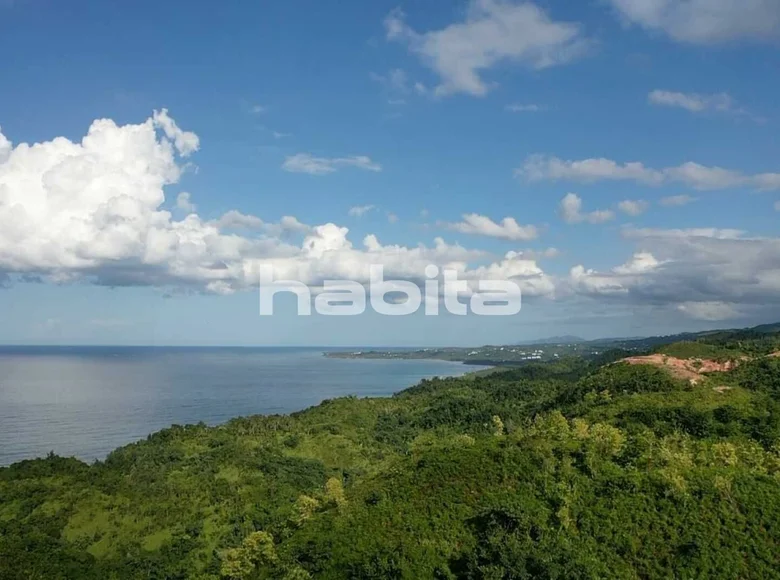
column 86, row 401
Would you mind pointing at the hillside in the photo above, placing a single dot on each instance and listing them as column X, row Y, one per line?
column 556, row 470
column 720, row 344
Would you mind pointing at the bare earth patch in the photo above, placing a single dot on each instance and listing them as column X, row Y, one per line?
column 689, row 370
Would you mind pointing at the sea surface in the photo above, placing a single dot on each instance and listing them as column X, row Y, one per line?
column 86, row 401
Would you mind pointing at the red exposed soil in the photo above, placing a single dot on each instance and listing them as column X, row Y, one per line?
column 690, row 370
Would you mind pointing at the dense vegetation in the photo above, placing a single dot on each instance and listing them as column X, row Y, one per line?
column 558, row 470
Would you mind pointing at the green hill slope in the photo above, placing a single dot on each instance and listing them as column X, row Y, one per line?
column 547, row 471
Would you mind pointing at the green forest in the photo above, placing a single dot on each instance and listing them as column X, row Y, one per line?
column 568, row 469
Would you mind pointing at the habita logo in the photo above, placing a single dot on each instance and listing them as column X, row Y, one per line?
column 394, row 297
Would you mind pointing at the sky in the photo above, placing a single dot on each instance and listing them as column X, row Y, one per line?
column 617, row 159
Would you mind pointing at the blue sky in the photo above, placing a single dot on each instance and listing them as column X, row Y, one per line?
column 410, row 122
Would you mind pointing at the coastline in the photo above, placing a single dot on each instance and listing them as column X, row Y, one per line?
column 128, row 398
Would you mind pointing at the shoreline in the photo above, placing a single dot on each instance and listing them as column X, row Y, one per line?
column 460, row 371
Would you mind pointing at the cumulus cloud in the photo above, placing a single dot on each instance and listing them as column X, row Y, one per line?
column 235, row 220
column 5, row 147
column 184, row 202
column 570, row 210
column 186, row 142
column 68, row 206
column 540, row 167
column 92, row 211
column 705, row 21
column 307, row 163
column 695, row 103
column 677, row 200
column 614, row 282
column 633, row 207
column 507, row 229
column 493, row 32
column 521, row 269
column 360, row 210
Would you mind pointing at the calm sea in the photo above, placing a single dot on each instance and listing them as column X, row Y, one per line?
column 86, row 401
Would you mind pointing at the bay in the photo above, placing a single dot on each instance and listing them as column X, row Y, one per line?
column 87, row 401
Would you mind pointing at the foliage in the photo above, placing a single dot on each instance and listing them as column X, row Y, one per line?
column 558, row 470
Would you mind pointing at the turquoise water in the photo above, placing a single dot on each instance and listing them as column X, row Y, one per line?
column 86, row 401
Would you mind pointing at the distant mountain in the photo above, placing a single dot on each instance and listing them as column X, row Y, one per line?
column 639, row 343
column 767, row 328
column 566, row 339
column 710, row 335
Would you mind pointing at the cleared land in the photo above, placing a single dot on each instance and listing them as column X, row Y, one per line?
column 688, row 369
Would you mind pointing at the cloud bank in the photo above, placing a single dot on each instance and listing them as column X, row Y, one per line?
column 94, row 211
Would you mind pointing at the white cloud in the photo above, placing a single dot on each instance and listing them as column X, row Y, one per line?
column 540, row 167
column 714, row 233
column 257, row 109
column 290, row 223
column 528, row 108
column 280, row 135
column 705, row 273
column 184, row 202
column 92, row 211
column 507, row 229
column 693, row 102
column 5, row 147
column 570, row 210
column 522, row 270
column 711, row 310
column 93, row 208
column 392, row 218
column 640, row 263
column 186, row 143
column 493, row 32
column 360, row 210
column 235, row 220
column 705, row 21
column 617, row 281
column 677, row 200
column 702, row 177
column 547, row 253
column 307, row 163
column 633, row 207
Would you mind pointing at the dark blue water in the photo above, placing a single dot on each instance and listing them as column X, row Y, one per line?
column 86, row 401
